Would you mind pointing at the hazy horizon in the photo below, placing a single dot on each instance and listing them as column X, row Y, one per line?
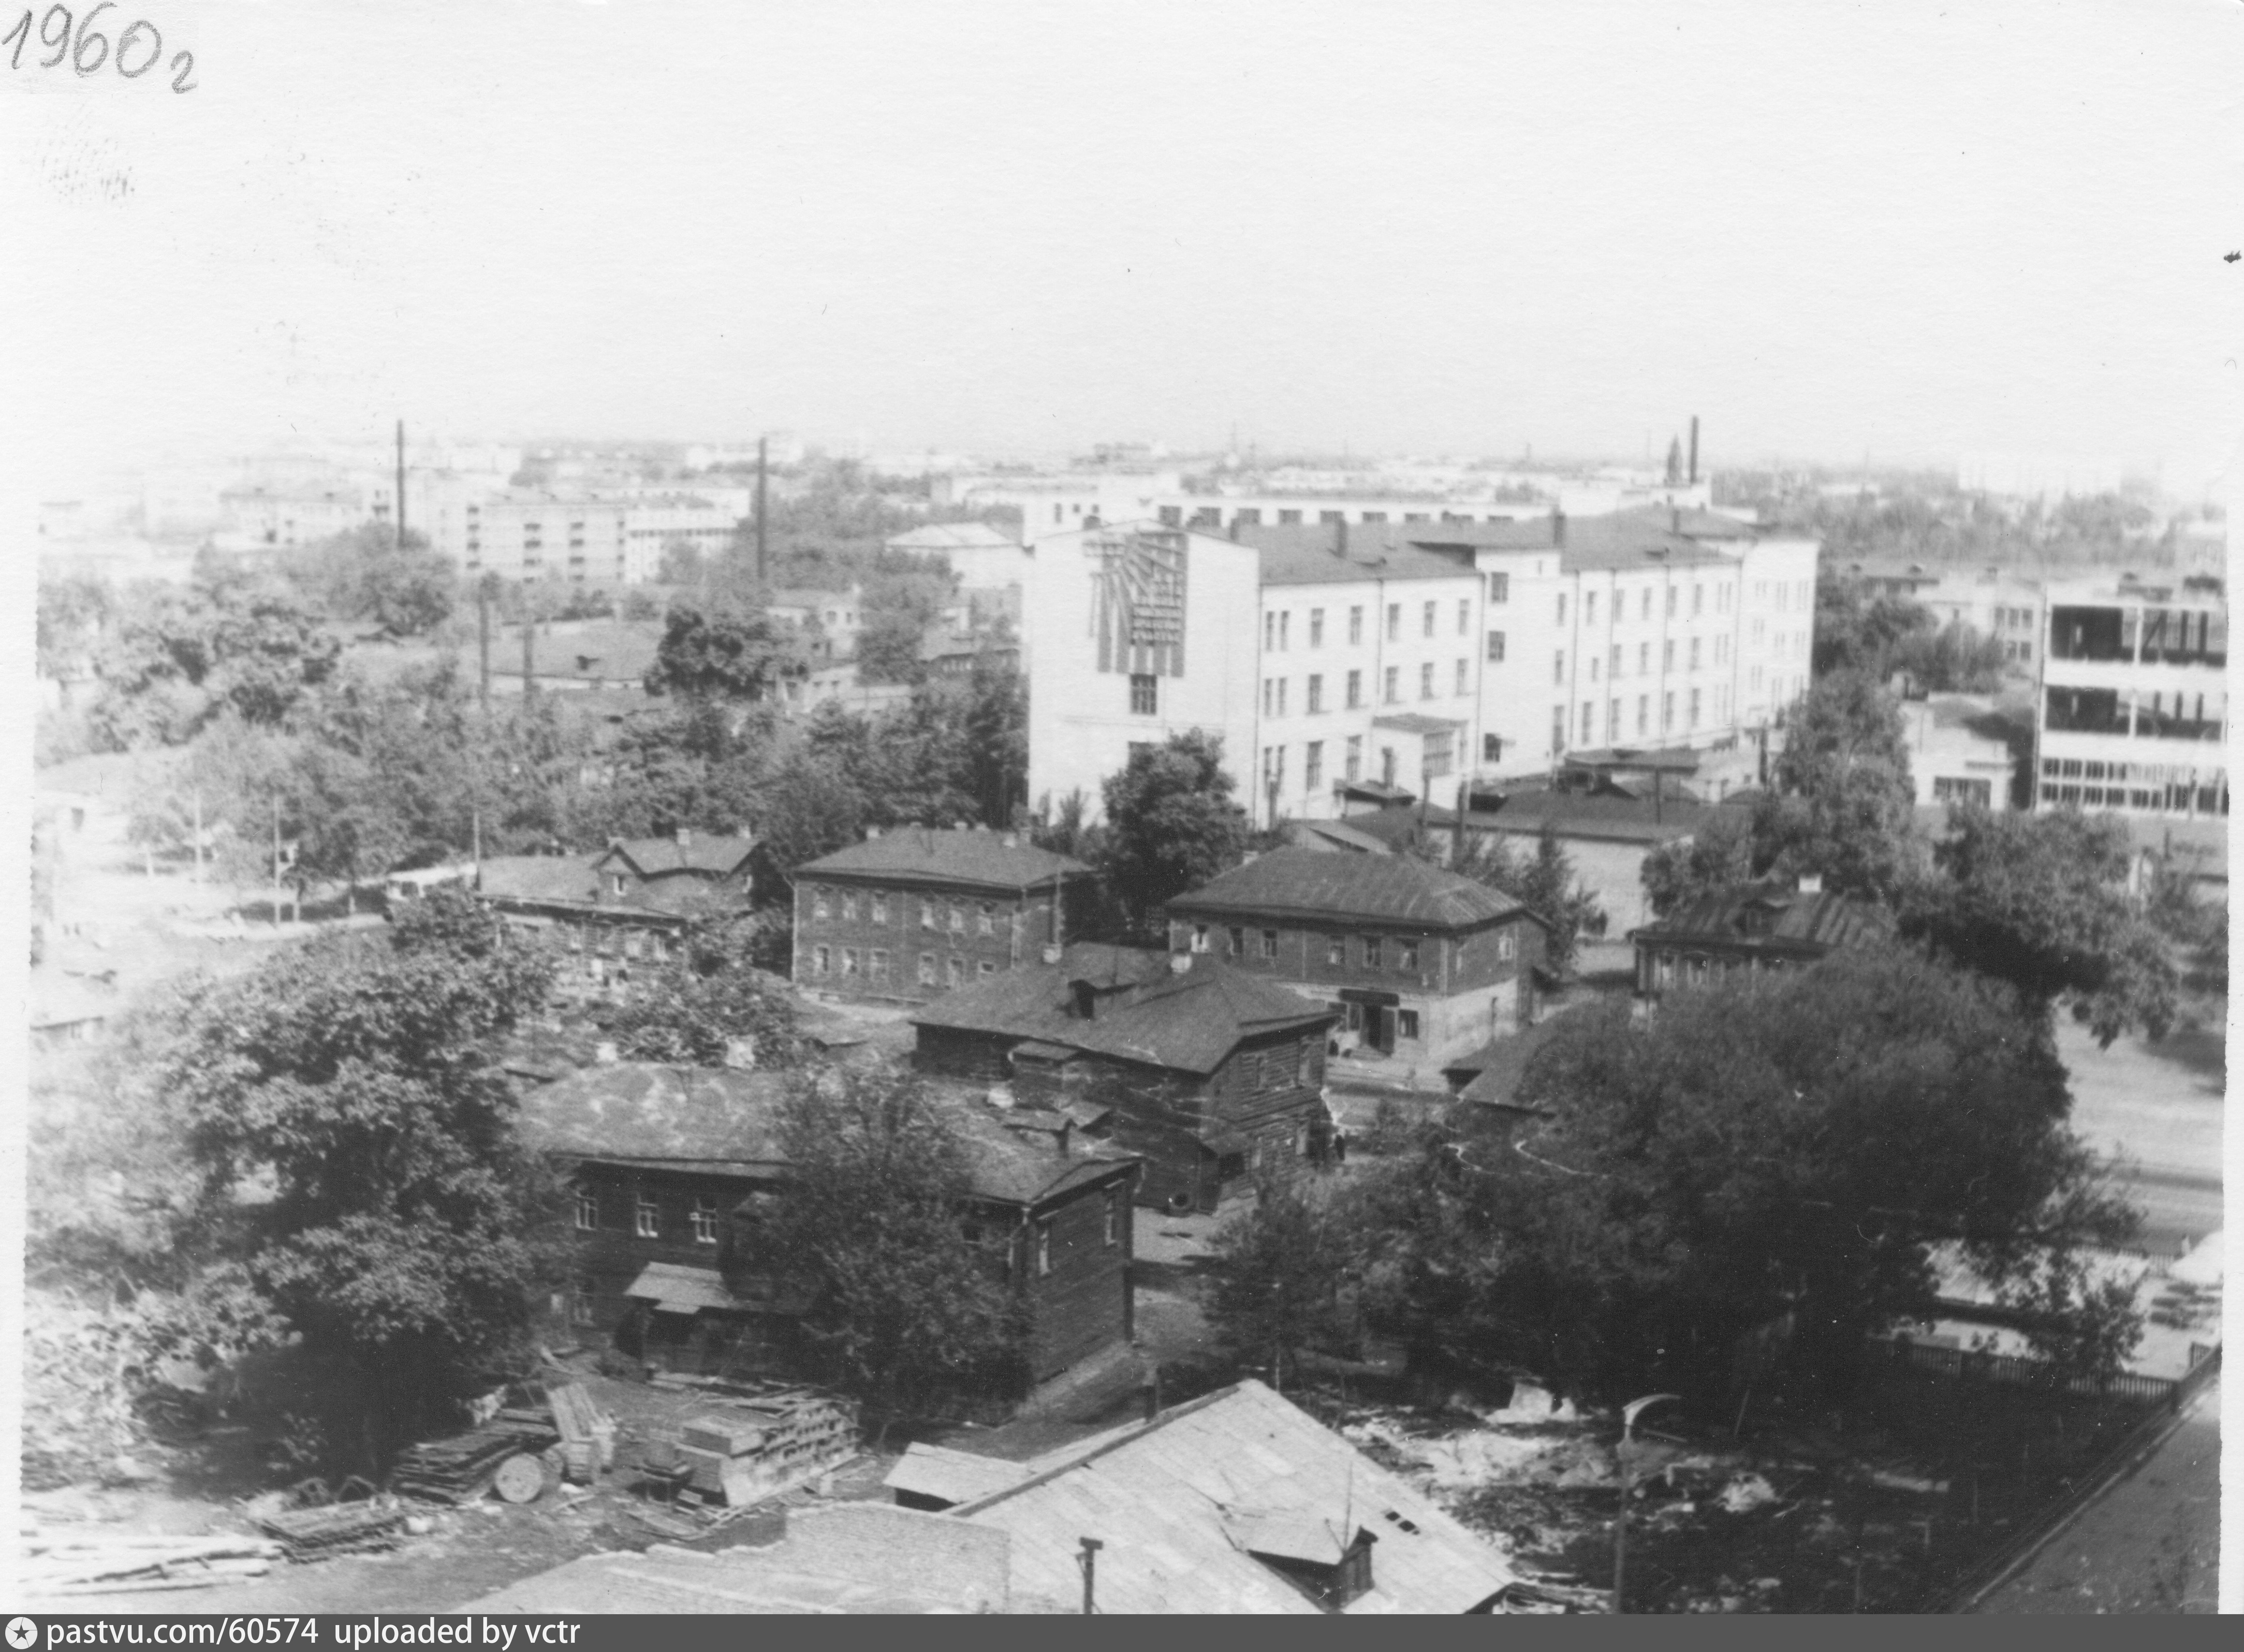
column 1906, row 232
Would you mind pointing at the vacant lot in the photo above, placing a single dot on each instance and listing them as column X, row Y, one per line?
column 2156, row 1111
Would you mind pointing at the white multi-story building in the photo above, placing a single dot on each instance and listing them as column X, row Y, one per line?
column 526, row 534
column 2132, row 713
column 1350, row 664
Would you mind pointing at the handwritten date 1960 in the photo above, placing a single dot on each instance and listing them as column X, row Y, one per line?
column 87, row 51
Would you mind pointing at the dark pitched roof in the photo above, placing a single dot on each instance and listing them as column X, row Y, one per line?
column 1309, row 555
column 1491, row 1074
column 1143, row 1009
column 1772, row 916
column 977, row 860
column 726, row 1121
column 1610, row 815
column 719, row 855
column 1307, row 883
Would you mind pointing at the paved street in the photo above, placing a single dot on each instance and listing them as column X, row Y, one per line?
column 2152, row 1544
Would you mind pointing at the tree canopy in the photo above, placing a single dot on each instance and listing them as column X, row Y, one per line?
column 1171, row 824
column 721, row 650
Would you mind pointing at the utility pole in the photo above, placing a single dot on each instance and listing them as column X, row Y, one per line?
column 529, row 634
column 763, row 460
column 482, row 645
column 400, row 483
column 1089, row 1561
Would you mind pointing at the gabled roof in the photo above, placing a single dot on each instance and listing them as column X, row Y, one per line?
column 1810, row 924
column 945, row 536
column 1143, row 1009
column 1328, row 835
column 977, row 860
column 726, row 1122
column 1311, row 885
column 1175, row 1501
column 719, row 855
column 1309, row 554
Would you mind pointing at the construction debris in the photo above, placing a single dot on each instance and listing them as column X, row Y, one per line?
column 462, row 1467
column 118, row 1563
column 339, row 1528
column 752, row 1448
column 588, row 1434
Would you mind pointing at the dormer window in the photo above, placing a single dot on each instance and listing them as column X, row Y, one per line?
column 1309, row 1554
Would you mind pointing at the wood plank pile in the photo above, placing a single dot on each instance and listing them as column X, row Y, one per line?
column 749, row 1449
column 462, row 1467
column 127, row 1563
column 339, row 1528
column 588, row 1434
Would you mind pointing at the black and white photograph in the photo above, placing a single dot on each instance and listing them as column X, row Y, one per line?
column 1005, row 807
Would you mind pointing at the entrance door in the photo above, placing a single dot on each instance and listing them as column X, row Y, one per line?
column 1382, row 1029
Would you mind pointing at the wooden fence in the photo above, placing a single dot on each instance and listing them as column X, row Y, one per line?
column 1968, row 1365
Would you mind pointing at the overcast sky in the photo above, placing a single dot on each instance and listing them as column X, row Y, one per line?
column 1914, row 230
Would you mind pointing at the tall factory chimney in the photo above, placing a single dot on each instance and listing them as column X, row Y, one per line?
column 1695, row 449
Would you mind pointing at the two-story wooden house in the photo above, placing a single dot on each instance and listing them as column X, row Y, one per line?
column 633, row 902
column 909, row 915
column 1420, row 964
column 1212, row 1075
column 677, row 1170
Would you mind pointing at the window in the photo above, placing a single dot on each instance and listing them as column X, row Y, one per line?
column 1491, row 748
column 926, row 913
column 1394, row 683
column 1285, row 626
column 1698, row 600
column 1426, row 624
column 704, row 1219
column 1505, row 946
column 1589, row 729
column 1496, row 647
column 1043, row 1247
column 958, row 919
column 821, row 961
column 1269, row 696
column 878, row 968
column 1464, row 616
column 1671, row 602
column 1558, row 730
column 1289, row 518
column 1336, row 951
column 1434, row 758
column 646, row 1217
column 1312, row 766
column 1316, row 695
column 580, row 1303
column 820, row 905
column 1269, row 945
column 1406, row 1024
column 1643, row 656
column 1144, row 697
column 1562, row 608
column 1593, row 667
column 1282, row 696
column 1426, row 681
column 1589, row 608
column 849, row 906
column 1371, row 952
column 1111, row 1232
column 1355, row 689
column 1667, row 655
column 848, row 962
column 1694, row 653
column 1238, row 941
column 880, row 907
column 1612, row 722
column 1694, row 708
column 985, row 920
column 1355, row 770
column 985, row 968
column 1614, row 671
column 1316, row 627
column 1558, row 666
column 927, row 969
column 1355, row 625
column 954, row 969
column 1393, row 622
column 1668, row 712
column 588, row 1209
column 1270, row 633
column 1408, row 955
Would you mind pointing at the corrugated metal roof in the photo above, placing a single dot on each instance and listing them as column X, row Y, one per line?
column 978, row 860
column 1311, row 883
column 673, row 1288
column 954, row 1476
column 1773, row 916
column 1169, row 1500
column 717, row 853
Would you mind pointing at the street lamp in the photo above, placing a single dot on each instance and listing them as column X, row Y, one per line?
column 1629, row 1414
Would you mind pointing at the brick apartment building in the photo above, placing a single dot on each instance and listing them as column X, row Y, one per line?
column 909, row 915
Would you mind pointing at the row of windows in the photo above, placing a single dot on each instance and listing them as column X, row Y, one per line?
column 876, row 966
column 646, row 1216
column 1274, row 695
column 1374, row 951
column 1616, row 663
column 2171, row 799
column 873, row 905
column 2073, row 768
column 1618, row 612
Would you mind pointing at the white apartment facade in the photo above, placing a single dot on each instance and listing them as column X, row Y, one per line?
column 2132, row 713
column 524, row 533
column 1341, row 674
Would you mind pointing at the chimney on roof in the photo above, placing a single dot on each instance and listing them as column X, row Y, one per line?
column 1695, row 449
column 1558, row 527
column 1811, row 883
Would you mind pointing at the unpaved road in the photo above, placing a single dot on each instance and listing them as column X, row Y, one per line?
column 2150, row 1544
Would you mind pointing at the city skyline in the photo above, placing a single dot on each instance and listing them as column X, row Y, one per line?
column 1012, row 229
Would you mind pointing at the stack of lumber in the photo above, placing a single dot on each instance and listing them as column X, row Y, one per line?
column 122, row 1563
column 339, row 1528
column 462, row 1467
column 751, row 1449
column 588, row 1434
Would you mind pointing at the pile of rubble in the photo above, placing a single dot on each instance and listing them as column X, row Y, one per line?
column 63, row 1565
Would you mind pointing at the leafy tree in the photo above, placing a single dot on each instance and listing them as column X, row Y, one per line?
column 692, row 1010
column 1279, row 1274
column 907, row 1307
column 73, row 608
column 1543, row 882
column 2039, row 900
column 368, row 573
column 1716, row 856
column 1786, row 1150
column 682, row 562
column 174, row 659
column 1171, row 824
column 1843, row 803
column 402, row 1236
column 719, row 651
column 1858, row 634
